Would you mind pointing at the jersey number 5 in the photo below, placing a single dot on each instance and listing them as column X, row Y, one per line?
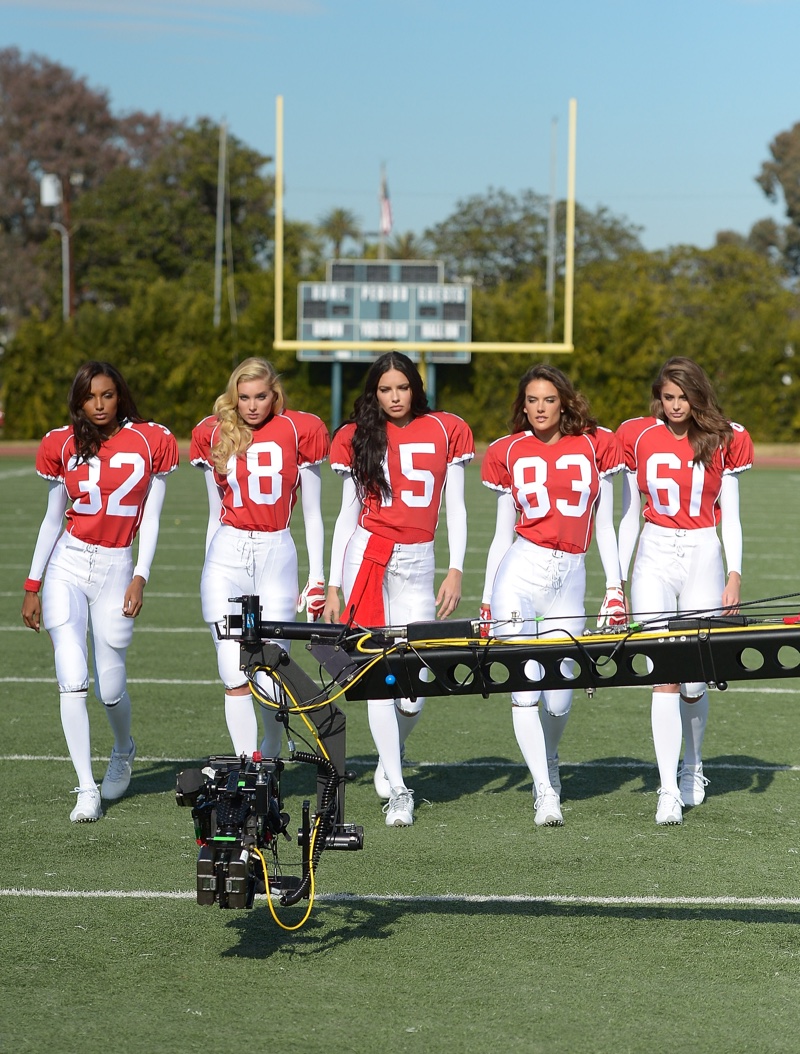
column 424, row 476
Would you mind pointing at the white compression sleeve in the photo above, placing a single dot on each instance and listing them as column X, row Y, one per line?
column 456, row 513
column 346, row 523
column 629, row 524
column 604, row 532
column 502, row 541
column 731, row 526
column 214, row 503
column 51, row 528
column 311, row 498
column 148, row 530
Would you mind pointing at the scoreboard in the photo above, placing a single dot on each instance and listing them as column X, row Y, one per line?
column 393, row 300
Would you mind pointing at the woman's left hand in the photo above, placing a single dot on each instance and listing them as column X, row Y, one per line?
column 449, row 595
column 732, row 594
column 134, row 597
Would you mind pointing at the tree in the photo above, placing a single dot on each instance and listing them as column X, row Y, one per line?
column 52, row 122
column 158, row 220
column 337, row 226
column 497, row 237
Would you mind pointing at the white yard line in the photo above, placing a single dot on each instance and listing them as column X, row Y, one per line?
column 427, row 898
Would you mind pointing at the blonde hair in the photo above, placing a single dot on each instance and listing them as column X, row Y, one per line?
column 234, row 436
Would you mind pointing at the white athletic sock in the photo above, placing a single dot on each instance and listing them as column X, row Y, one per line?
column 273, row 733
column 385, row 730
column 406, row 722
column 694, row 717
column 119, row 717
column 553, row 726
column 530, row 737
column 665, row 716
column 240, row 717
column 75, row 722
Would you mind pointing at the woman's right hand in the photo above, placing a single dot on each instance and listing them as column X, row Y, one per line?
column 333, row 605
column 32, row 611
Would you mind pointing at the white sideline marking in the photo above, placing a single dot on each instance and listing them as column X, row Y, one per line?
column 368, row 763
column 425, row 898
column 130, row 680
column 178, row 681
column 139, row 629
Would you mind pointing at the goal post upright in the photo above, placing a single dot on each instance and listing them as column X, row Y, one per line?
column 378, row 346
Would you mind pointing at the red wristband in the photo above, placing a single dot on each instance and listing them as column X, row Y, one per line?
column 32, row 585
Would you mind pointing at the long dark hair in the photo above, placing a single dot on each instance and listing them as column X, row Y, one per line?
column 369, row 437
column 576, row 417
column 709, row 429
column 88, row 437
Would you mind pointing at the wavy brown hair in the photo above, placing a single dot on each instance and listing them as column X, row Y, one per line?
column 709, row 428
column 234, row 436
column 88, row 437
column 576, row 417
column 369, row 437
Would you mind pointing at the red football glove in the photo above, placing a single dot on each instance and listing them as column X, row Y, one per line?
column 312, row 599
column 486, row 621
column 613, row 611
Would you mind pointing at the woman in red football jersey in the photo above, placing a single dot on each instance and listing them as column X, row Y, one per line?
column 255, row 454
column 684, row 459
column 112, row 465
column 396, row 458
column 553, row 480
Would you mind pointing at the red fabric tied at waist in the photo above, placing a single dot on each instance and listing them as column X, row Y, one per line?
column 364, row 606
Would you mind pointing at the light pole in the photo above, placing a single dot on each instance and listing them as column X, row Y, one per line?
column 51, row 193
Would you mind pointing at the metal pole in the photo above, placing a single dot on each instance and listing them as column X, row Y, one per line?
column 278, row 219
column 336, row 394
column 551, row 237
column 430, row 386
column 65, row 275
column 221, row 166
column 569, row 263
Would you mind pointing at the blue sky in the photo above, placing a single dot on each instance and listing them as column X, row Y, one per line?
column 677, row 101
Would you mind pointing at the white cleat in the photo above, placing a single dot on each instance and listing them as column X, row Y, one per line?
column 118, row 774
column 670, row 809
column 692, row 784
column 87, row 808
column 547, row 808
column 399, row 808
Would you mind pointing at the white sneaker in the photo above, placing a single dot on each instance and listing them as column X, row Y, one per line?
column 380, row 781
column 692, row 784
column 670, row 809
column 547, row 806
column 555, row 777
column 87, row 808
column 118, row 774
column 399, row 808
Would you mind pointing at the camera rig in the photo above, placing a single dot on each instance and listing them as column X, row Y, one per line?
column 236, row 801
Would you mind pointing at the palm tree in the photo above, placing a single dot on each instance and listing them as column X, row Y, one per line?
column 338, row 225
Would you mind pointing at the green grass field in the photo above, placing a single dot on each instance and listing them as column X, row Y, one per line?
column 471, row 929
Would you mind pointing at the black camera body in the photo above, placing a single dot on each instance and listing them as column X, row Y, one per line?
column 238, row 816
column 237, row 808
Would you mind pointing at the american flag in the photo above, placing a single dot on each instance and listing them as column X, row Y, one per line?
column 386, row 206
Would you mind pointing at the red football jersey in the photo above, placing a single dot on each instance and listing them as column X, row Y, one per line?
column 680, row 494
column 259, row 489
column 415, row 467
column 108, row 492
column 555, row 486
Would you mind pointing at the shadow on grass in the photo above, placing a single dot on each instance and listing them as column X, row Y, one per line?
column 333, row 925
column 728, row 773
